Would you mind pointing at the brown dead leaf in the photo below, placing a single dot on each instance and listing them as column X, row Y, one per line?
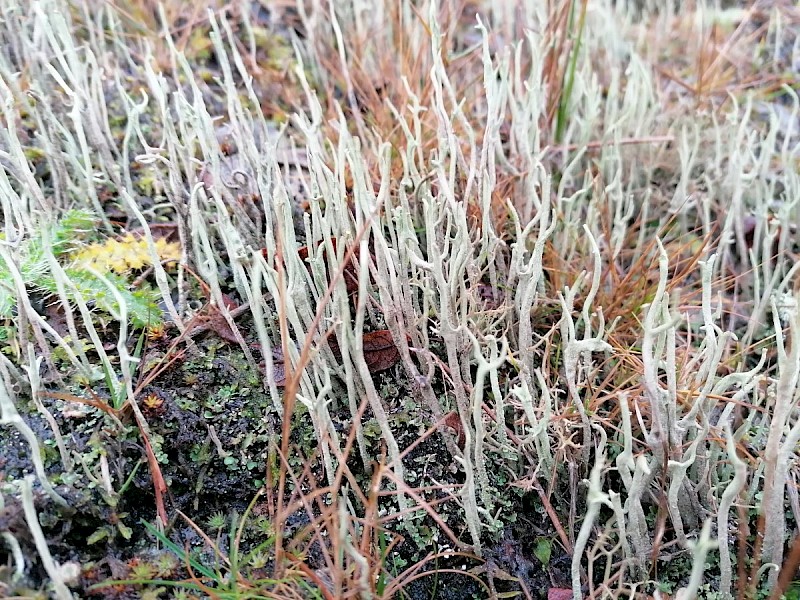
column 278, row 365
column 56, row 317
column 350, row 274
column 279, row 373
column 380, row 354
column 217, row 321
column 453, row 421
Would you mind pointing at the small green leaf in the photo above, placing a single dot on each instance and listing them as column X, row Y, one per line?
column 216, row 521
column 124, row 530
column 98, row 535
column 543, row 550
column 793, row 593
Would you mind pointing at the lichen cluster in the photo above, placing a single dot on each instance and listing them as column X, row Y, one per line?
column 570, row 224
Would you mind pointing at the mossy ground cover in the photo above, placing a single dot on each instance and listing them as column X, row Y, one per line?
column 414, row 300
